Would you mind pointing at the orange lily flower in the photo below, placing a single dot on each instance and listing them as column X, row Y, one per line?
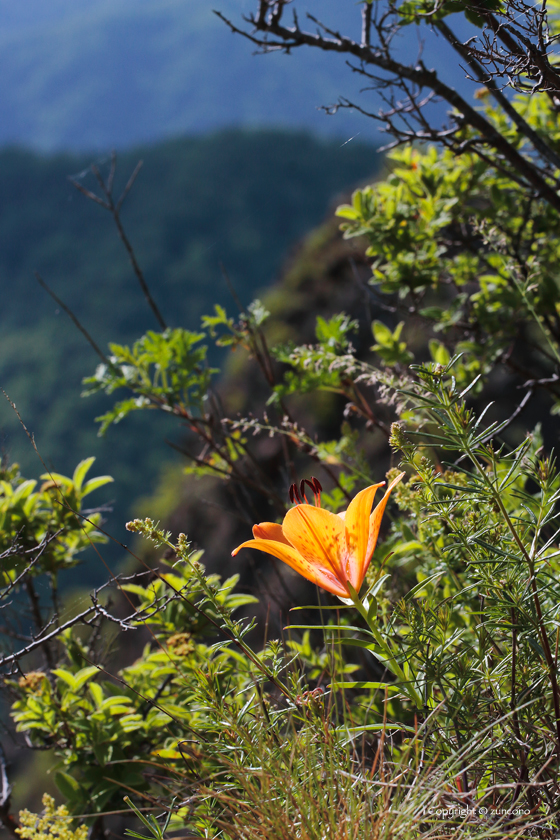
column 328, row 549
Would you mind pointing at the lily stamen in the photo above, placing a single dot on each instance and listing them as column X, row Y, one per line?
column 298, row 496
column 315, row 485
column 295, row 498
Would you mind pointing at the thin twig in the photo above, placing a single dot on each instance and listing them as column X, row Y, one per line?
column 114, row 209
column 73, row 318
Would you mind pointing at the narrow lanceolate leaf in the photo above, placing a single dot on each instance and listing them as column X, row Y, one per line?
column 81, row 471
column 333, row 627
column 378, row 727
column 95, row 483
column 494, row 549
column 366, row 685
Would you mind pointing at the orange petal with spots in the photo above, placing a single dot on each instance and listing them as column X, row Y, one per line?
column 357, row 533
column 318, row 535
column 269, row 531
column 375, row 519
column 314, row 572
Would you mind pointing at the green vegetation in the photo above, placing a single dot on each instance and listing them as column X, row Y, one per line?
column 418, row 695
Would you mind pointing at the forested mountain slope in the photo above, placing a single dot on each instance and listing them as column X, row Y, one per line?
column 237, row 198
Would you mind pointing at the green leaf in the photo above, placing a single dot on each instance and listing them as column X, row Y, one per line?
column 367, row 685
column 66, row 676
column 81, row 471
column 95, row 483
column 81, row 678
column 97, row 693
column 382, row 334
column 378, row 727
column 439, row 352
column 67, row 785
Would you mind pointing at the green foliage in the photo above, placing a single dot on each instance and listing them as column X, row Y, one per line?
column 428, row 704
column 164, row 371
column 388, row 344
column 414, row 11
column 464, row 243
column 149, row 822
column 319, row 366
column 479, row 535
column 108, row 731
column 49, row 517
column 233, row 335
column 403, row 215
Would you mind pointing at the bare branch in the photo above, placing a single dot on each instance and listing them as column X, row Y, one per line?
column 39, row 549
column 73, row 318
column 114, row 209
column 276, row 36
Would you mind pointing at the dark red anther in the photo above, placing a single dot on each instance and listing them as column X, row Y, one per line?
column 294, row 495
column 297, row 494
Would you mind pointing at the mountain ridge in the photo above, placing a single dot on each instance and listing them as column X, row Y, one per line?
column 114, row 74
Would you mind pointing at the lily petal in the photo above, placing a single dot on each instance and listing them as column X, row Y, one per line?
column 269, row 531
column 314, row 572
column 357, row 522
column 318, row 535
column 375, row 519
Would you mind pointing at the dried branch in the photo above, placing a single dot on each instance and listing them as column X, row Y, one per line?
column 73, row 318
column 486, row 79
column 39, row 549
column 268, row 33
column 114, row 208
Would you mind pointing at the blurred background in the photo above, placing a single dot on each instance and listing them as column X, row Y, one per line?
column 240, row 164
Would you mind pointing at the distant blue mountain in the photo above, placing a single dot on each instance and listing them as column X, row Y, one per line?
column 94, row 74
